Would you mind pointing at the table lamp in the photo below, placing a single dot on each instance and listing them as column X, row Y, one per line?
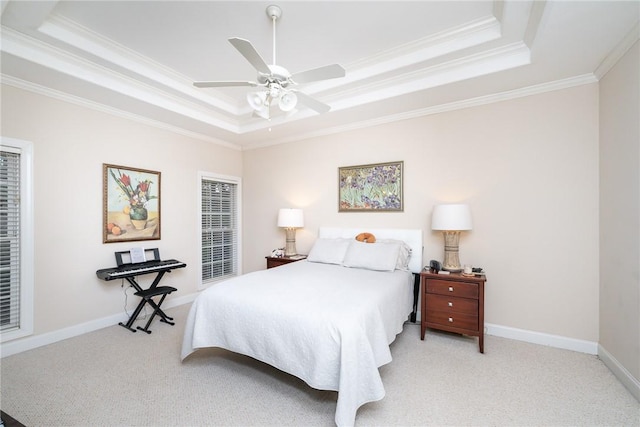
column 290, row 219
column 451, row 219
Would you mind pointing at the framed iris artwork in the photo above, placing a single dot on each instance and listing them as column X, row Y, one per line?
column 365, row 188
column 131, row 203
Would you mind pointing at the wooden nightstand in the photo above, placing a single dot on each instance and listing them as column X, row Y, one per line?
column 278, row 261
column 453, row 303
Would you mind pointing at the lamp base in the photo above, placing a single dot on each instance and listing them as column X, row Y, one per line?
column 451, row 259
column 290, row 244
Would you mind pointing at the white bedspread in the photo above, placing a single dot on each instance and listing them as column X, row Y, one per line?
column 329, row 325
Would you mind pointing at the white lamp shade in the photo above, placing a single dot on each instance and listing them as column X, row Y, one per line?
column 451, row 217
column 288, row 101
column 290, row 218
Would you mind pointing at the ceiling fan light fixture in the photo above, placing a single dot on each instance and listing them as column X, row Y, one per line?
column 262, row 112
column 274, row 90
column 257, row 100
column 288, row 101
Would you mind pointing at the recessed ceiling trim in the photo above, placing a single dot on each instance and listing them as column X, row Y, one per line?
column 470, row 34
column 73, row 34
column 25, row 47
column 535, row 17
column 491, row 61
column 445, row 42
column 83, row 102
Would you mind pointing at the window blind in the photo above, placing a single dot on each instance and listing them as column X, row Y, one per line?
column 9, row 241
column 219, row 230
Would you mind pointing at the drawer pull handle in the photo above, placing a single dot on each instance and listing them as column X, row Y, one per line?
column 450, row 288
column 450, row 304
column 451, row 319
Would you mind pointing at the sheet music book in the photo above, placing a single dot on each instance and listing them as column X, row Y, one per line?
column 137, row 255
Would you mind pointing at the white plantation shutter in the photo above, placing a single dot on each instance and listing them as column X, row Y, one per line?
column 16, row 240
column 9, row 240
column 220, row 229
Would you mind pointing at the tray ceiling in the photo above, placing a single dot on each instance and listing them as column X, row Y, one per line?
column 402, row 59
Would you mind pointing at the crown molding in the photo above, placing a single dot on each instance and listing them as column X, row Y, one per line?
column 618, row 52
column 73, row 34
column 452, row 106
column 535, row 17
column 30, row 49
column 85, row 103
column 490, row 61
column 469, row 34
column 437, row 109
column 436, row 45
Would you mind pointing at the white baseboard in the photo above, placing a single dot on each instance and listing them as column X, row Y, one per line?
column 557, row 341
column 28, row 343
column 624, row 376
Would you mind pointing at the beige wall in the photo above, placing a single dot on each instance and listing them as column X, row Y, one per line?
column 527, row 167
column 70, row 145
column 620, row 212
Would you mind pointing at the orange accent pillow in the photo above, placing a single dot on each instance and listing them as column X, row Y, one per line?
column 366, row 237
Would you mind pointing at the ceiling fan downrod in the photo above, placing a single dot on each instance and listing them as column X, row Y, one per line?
column 274, row 12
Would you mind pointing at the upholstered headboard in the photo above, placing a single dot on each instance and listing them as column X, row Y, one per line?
column 411, row 237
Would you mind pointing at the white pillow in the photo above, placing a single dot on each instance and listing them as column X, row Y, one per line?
column 372, row 256
column 328, row 251
column 404, row 255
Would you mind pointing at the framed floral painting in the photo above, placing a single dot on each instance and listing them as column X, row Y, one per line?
column 365, row 188
column 131, row 204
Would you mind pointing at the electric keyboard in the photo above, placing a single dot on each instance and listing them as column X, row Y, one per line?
column 130, row 270
column 143, row 261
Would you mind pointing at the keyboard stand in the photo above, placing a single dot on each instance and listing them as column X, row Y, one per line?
column 146, row 296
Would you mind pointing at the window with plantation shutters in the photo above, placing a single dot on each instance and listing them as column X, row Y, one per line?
column 16, row 240
column 9, row 241
column 219, row 228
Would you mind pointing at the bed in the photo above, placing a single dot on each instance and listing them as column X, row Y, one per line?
column 328, row 320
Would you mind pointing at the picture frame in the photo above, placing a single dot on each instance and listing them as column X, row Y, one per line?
column 131, row 204
column 371, row 188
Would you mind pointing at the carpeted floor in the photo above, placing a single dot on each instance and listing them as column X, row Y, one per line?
column 117, row 378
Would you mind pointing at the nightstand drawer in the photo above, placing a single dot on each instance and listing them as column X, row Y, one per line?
column 447, row 287
column 452, row 304
column 278, row 261
column 453, row 319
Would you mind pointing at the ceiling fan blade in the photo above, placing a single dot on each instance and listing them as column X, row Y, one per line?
column 251, row 54
column 224, row 84
column 312, row 103
column 322, row 73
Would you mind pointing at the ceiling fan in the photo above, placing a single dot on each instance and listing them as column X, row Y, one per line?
column 278, row 84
